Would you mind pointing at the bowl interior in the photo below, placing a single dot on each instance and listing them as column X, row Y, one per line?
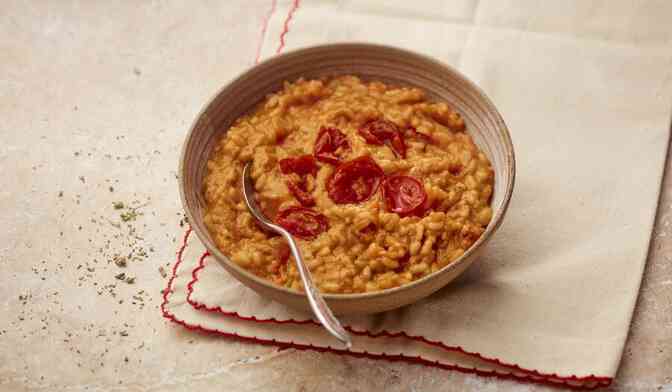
column 370, row 62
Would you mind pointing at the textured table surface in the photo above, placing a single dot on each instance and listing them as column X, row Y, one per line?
column 95, row 99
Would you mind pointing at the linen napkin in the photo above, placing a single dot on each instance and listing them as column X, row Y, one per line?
column 586, row 90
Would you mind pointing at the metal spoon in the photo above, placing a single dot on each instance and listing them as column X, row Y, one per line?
column 317, row 304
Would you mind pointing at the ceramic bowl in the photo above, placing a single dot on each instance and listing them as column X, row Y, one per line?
column 383, row 63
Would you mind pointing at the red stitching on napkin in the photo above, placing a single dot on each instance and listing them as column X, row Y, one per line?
column 264, row 27
column 532, row 376
column 169, row 285
column 384, row 333
column 285, row 28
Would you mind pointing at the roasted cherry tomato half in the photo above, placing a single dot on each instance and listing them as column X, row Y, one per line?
column 398, row 145
column 381, row 132
column 354, row 181
column 302, row 222
column 327, row 144
column 301, row 165
column 298, row 190
column 377, row 131
column 283, row 253
column 405, row 195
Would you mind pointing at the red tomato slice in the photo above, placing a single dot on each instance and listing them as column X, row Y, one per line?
column 301, row 165
column 328, row 141
column 354, row 181
column 381, row 132
column 302, row 222
column 405, row 195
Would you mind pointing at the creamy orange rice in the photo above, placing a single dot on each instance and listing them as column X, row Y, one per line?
column 380, row 185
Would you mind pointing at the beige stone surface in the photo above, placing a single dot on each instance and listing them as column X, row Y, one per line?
column 96, row 95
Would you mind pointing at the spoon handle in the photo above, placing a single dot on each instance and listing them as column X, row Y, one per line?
column 317, row 304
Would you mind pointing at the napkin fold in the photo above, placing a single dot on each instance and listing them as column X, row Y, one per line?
column 586, row 90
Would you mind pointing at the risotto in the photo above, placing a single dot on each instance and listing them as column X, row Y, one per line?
column 379, row 185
